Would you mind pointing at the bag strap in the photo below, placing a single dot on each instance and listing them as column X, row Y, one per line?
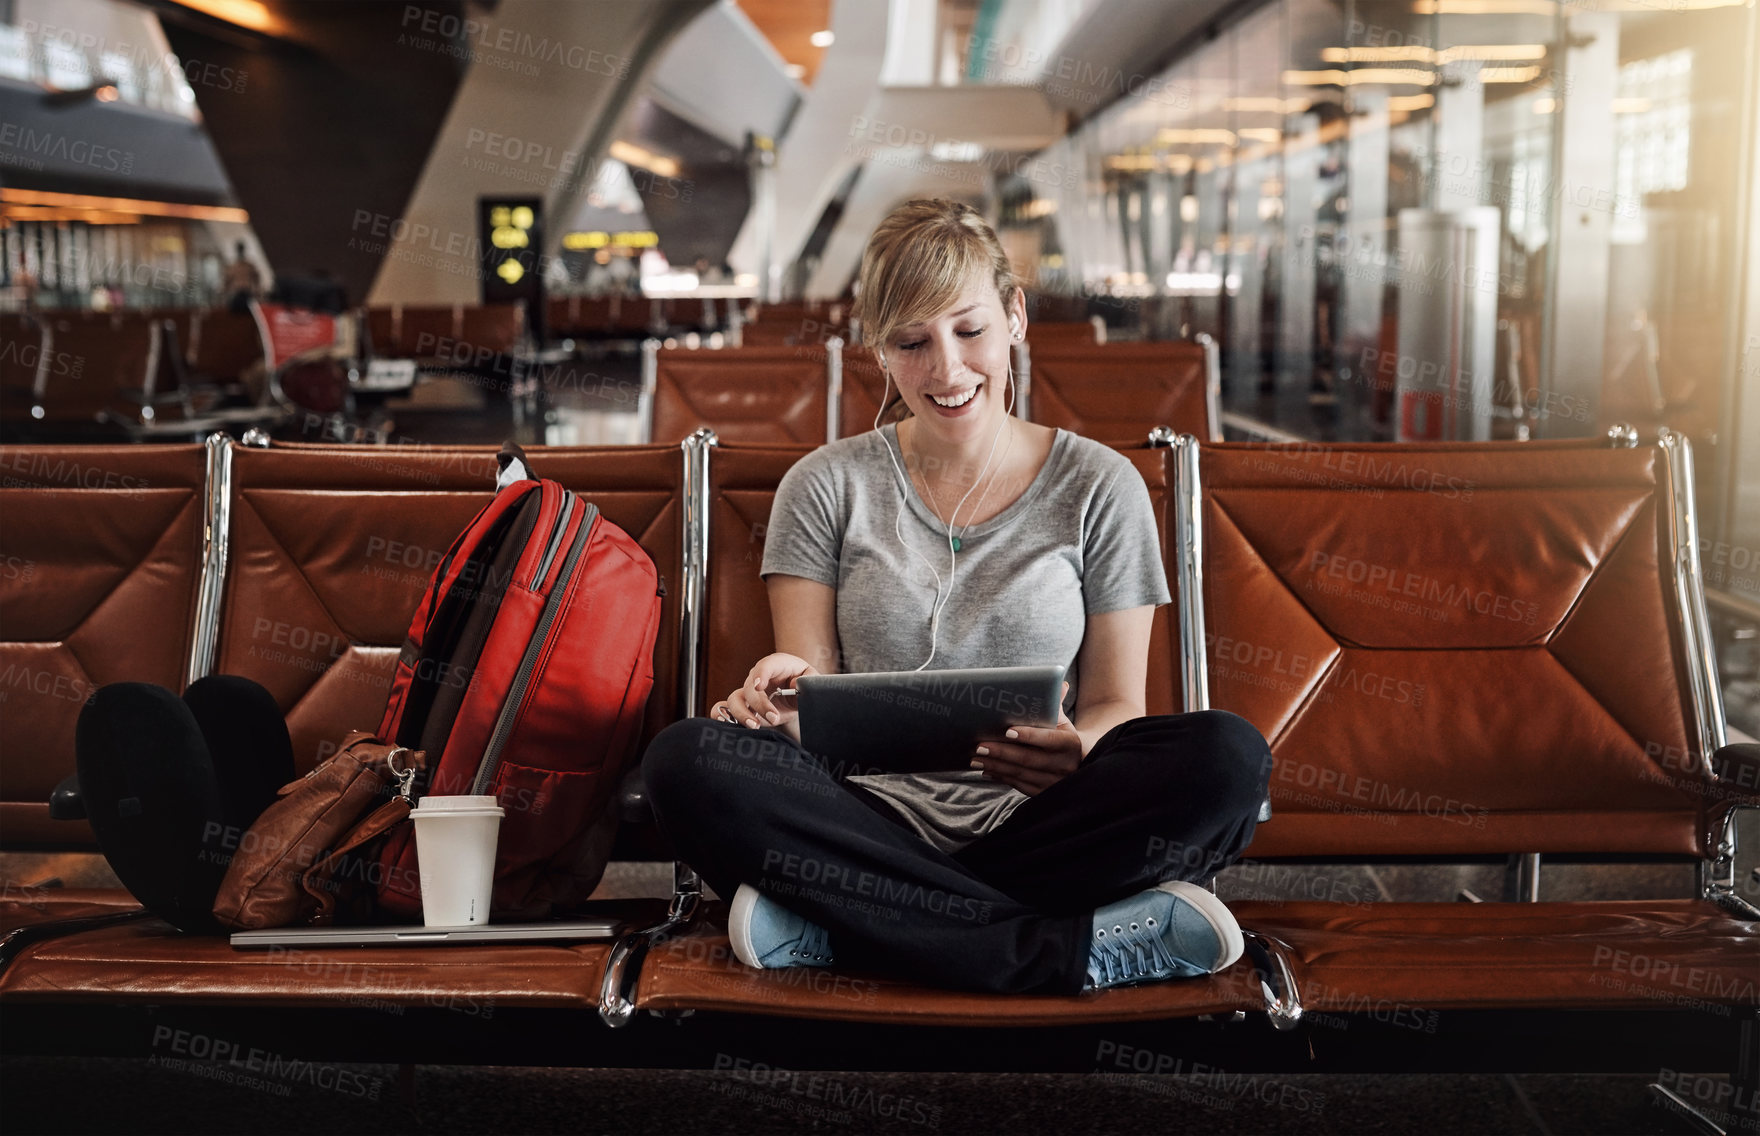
column 514, row 466
column 380, row 821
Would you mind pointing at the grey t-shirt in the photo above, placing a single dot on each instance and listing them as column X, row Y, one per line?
column 1079, row 541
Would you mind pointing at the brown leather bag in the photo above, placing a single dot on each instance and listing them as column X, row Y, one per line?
column 293, row 865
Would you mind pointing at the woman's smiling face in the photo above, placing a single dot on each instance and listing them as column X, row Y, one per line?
column 952, row 369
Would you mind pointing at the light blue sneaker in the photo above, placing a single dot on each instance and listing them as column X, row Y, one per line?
column 1173, row 930
column 768, row 935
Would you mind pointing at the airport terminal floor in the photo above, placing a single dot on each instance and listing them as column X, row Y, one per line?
column 1323, row 428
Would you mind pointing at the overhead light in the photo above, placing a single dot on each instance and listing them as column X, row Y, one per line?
column 245, row 13
column 632, row 155
column 1485, row 7
column 1194, row 136
column 1415, row 52
column 1545, row 106
column 122, row 205
column 1422, row 53
column 1188, row 212
column 1508, row 74
column 86, row 216
column 1409, row 103
column 823, row 39
column 1550, row 7
column 1267, row 103
column 106, row 94
column 956, row 151
column 795, row 70
column 1262, row 133
column 1390, row 76
column 1630, row 106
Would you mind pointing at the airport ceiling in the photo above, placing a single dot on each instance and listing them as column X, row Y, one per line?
column 790, row 25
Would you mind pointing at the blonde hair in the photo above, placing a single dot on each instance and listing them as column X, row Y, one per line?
column 917, row 263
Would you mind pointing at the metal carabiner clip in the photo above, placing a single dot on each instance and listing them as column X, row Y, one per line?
column 406, row 778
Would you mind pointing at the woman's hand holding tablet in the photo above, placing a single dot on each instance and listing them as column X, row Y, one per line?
column 1032, row 758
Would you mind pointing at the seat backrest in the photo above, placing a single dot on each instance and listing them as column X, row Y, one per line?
column 1119, row 391
column 100, row 556
column 492, row 328
column 736, row 627
column 96, row 358
column 183, row 320
column 863, row 384
column 755, row 395
column 737, row 631
column 21, row 353
column 792, row 324
column 332, row 547
column 425, row 330
column 1047, row 332
column 593, row 314
column 381, row 325
column 562, row 315
column 1454, row 649
column 226, row 344
column 630, row 314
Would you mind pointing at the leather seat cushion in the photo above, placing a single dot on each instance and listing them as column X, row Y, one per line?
column 1650, row 954
column 149, row 961
column 698, row 971
column 28, row 906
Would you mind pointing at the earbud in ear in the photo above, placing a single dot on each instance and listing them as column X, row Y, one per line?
column 1014, row 326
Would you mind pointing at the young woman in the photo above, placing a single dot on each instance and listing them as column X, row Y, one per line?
column 962, row 536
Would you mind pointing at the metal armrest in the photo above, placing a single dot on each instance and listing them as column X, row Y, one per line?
column 1738, row 773
column 632, row 798
column 617, row 993
column 1277, row 979
column 65, row 802
column 1737, row 786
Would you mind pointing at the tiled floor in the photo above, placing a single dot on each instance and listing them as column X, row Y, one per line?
column 69, row 1096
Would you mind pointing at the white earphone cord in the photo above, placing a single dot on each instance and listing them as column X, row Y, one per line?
column 904, row 503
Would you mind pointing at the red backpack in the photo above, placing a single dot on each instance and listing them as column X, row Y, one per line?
column 525, row 675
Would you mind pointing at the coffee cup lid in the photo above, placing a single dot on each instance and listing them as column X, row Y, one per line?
column 459, row 804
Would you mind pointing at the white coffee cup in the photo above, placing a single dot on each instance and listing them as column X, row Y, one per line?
column 455, row 850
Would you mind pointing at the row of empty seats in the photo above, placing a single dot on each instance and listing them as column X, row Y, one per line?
column 813, row 393
column 1432, row 687
column 71, row 367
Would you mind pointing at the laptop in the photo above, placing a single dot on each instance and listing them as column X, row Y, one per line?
column 562, row 931
column 920, row 721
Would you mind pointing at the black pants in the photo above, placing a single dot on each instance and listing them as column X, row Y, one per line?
column 1158, row 798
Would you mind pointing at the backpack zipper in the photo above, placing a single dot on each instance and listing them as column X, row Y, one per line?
column 522, row 678
column 568, row 501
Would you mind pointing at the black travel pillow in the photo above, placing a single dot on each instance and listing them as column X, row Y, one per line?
column 170, row 785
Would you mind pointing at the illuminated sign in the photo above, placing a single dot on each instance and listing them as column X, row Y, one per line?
column 512, row 241
column 582, row 240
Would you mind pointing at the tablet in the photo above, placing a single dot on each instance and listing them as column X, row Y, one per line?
column 920, row 721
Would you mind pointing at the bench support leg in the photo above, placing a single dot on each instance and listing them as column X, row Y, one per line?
column 1521, row 878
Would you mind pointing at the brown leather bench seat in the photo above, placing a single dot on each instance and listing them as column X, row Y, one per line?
column 1471, row 651
column 329, row 550
column 1577, row 731
column 697, row 971
column 1122, row 390
column 151, row 962
column 1632, row 954
column 762, row 395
